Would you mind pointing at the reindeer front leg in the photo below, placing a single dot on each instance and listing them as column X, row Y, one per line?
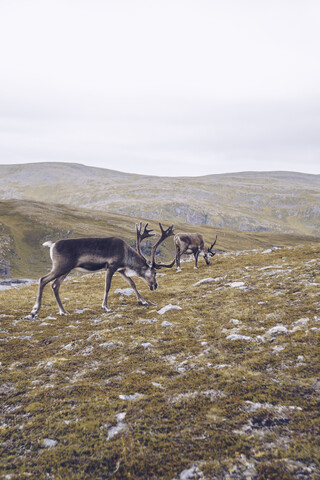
column 109, row 275
column 42, row 283
column 134, row 288
column 55, row 287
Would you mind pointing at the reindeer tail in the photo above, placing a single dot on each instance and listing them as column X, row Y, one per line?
column 47, row 244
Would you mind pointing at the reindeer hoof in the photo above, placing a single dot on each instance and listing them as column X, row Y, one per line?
column 143, row 302
column 63, row 313
column 179, row 270
column 106, row 309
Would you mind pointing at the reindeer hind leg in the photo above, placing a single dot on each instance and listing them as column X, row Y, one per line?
column 196, row 255
column 178, row 255
column 55, row 287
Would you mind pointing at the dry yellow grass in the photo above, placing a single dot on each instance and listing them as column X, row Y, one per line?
column 226, row 388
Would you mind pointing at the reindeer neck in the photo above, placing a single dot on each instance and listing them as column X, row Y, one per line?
column 134, row 261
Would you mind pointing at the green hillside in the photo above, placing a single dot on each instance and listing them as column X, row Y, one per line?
column 25, row 225
column 284, row 202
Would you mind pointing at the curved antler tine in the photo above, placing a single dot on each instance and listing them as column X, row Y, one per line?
column 162, row 265
column 140, row 236
column 164, row 234
column 138, row 227
column 147, row 231
column 167, row 232
column 214, row 242
column 211, row 247
column 138, row 230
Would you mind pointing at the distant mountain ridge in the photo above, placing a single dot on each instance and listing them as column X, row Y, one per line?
column 286, row 202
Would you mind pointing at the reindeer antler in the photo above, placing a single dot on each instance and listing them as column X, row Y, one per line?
column 210, row 249
column 164, row 234
column 140, row 236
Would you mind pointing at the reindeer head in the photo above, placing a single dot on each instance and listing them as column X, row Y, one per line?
column 148, row 271
column 208, row 252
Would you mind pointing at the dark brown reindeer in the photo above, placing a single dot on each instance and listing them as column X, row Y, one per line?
column 111, row 254
column 192, row 243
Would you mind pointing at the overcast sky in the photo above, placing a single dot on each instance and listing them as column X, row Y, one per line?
column 165, row 87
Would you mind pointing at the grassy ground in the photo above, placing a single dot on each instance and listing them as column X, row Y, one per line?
column 227, row 387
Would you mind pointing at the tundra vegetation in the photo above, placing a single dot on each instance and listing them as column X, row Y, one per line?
column 224, row 387
column 247, row 201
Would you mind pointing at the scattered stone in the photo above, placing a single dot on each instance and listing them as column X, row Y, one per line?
column 167, row 308
column 93, row 336
column 134, row 396
column 278, row 330
column 119, row 427
column 147, row 344
column 147, row 320
column 254, row 406
column 268, row 267
column 107, row 345
column 301, row 321
column 49, row 443
column 212, row 394
column 182, row 397
column 192, row 473
column 158, row 385
column 165, row 323
column 87, row 350
column 124, row 291
column 206, row 280
column 235, row 336
column 237, row 285
column 96, row 320
column 278, row 348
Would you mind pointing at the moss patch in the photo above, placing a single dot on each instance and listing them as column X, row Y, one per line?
column 229, row 388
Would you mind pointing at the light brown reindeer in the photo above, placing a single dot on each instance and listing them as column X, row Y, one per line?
column 192, row 243
column 111, row 254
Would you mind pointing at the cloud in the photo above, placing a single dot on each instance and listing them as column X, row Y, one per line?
column 161, row 88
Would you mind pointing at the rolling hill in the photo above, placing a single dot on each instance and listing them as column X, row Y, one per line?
column 25, row 225
column 285, row 202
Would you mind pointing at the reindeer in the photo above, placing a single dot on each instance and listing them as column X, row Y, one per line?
column 192, row 243
column 111, row 254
